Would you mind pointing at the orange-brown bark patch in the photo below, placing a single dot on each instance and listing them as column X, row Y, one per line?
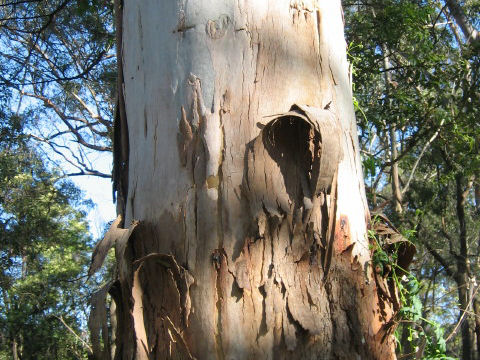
column 343, row 238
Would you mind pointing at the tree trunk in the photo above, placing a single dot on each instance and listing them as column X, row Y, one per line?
column 471, row 35
column 396, row 190
column 476, row 312
column 15, row 349
column 463, row 270
column 462, row 284
column 245, row 188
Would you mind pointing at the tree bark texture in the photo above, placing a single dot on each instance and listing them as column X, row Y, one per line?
column 476, row 312
column 463, row 268
column 246, row 209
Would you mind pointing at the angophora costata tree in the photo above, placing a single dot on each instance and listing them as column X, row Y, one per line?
column 242, row 214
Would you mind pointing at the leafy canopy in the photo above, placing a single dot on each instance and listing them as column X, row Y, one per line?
column 44, row 245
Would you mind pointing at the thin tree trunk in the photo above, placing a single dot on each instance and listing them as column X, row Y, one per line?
column 246, row 188
column 463, row 269
column 476, row 311
column 15, row 349
column 462, row 285
column 477, row 194
column 396, row 189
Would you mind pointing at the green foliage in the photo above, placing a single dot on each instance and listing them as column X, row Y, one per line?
column 44, row 247
column 414, row 72
column 58, row 71
column 429, row 344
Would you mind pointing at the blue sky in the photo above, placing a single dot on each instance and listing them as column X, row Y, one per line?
column 99, row 190
column 95, row 188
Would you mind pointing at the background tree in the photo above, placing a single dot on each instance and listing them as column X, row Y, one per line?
column 428, row 99
column 44, row 247
column 58, row 59
column 57, row 76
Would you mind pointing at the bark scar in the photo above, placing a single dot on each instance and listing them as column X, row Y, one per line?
column 206, row 125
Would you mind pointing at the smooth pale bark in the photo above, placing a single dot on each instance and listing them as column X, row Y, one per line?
column 463, row 267
column 242, row 247
column 396, row 188
column 470, row 34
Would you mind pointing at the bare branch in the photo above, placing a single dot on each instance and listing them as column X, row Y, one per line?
column 90, row 173
column 84, row 343
column 460, row 321
column 83, row 169
column 425, row 147
column 85, row 106
column 436, row 255
column 65, row 119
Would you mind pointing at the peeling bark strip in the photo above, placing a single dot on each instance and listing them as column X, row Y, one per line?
column 181, row 277
column 257, row 209
column 120, row 126
column 393, row 240
column 293, row 159
column 323, row 144
column 398, row 249
column 115, row 233
column 97, row 323
column 161, row 312
column 120, row 318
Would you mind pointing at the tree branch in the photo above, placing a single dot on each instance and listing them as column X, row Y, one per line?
column 425, row 147
column 471, row 35
column 65, row 119
column 440, row 259
column 84, row 343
